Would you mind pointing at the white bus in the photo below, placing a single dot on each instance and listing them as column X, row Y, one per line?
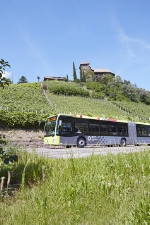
column 80, row 131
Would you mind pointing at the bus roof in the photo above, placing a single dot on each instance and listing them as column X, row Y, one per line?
column 88, row 117
column 142, row 123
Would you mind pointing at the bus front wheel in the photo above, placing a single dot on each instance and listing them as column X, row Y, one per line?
column 123, row 142
column 81, row 142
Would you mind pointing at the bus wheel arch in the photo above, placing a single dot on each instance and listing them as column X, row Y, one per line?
column 123, row 142
column 81, row 142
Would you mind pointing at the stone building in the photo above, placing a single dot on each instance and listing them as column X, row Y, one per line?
column 55, row 78
column 98, row 72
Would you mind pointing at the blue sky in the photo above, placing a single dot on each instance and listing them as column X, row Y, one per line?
column 44, row 38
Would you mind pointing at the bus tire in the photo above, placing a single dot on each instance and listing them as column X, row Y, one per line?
column 123, row 142
column 81, row 142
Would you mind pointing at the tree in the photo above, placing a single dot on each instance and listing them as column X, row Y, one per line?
column 74, row 72
column 67, row 79
column 38, row 78
column 81, row 71
column 82, row 76
column 89, row 75
column 3, row 80
column 105, row 79
column 23, row 79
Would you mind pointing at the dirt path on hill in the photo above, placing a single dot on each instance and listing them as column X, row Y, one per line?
column 24, row 137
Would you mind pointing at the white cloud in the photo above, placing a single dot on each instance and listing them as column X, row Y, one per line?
column 132, row 45
column 126, row 41
column 129, row 40
column 7, row 74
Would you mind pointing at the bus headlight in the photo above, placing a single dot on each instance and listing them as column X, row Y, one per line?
column 54, row 140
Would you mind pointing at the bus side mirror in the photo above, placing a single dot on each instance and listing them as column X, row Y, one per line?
column 41, row 123
column 60, row 123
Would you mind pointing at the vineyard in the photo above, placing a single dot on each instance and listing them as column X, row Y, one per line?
column 139, row 111
column 24, row 105
column 25, row 97
column 66, row 88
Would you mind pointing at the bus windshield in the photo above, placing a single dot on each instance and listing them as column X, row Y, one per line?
column 50, row 126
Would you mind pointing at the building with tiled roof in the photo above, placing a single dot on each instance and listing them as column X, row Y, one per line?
column 102, row 72
column 54, row 78
column 98, row 72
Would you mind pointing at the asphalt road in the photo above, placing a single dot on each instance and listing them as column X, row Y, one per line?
column 57, row 152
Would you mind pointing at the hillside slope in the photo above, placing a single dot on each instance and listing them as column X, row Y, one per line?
column 24, row 105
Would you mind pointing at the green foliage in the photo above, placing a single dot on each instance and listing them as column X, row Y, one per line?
column 112, row 189
column 26, row 97
column 82, row 75
column 3, row 80
column 22, row 79
column 114, row 89
column 8, row 159
column 89, row 75
column 95, row 86
column 24, row 105
column 21, row 119
column 66, row 88
column 104, row 79
column 74, row 72
column 139, row 111
column 67, row 79
column 98, row 95
column 88, row 106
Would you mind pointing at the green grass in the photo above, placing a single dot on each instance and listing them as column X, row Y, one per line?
column 26, row 97
column 87, row 106
column 112, row 189
column 23, row 105
column 139, row 111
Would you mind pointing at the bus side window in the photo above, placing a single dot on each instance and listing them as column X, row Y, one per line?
column 144, row 131
column 78, row 130
column 104, row 130
column 112, row 130
column 66, row 128
column 94, row 129
column 139, row 133
column 122, row 130
column 81, row 128
column 148, row 131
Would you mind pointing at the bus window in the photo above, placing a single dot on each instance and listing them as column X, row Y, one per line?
column 139, row 131
column 144, row 131
column 94, row 129
column 66, row 128
column 50, row 128
column 122, row 130
column 148, row 131
column 104, row 129
column 112, row 130
column 81, row 128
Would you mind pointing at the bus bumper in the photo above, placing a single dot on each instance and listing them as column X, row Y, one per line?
column 52, row 140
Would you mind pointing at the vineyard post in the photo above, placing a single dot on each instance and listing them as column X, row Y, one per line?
column 8, row 180
column 2, row 183
column 43, row 173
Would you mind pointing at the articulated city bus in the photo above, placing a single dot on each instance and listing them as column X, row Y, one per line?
column 80, row 131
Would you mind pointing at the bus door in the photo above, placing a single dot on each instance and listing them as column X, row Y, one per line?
column 132, row 133
column 65, row 126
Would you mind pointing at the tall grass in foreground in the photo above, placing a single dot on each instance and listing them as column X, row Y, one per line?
column 112, row 189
